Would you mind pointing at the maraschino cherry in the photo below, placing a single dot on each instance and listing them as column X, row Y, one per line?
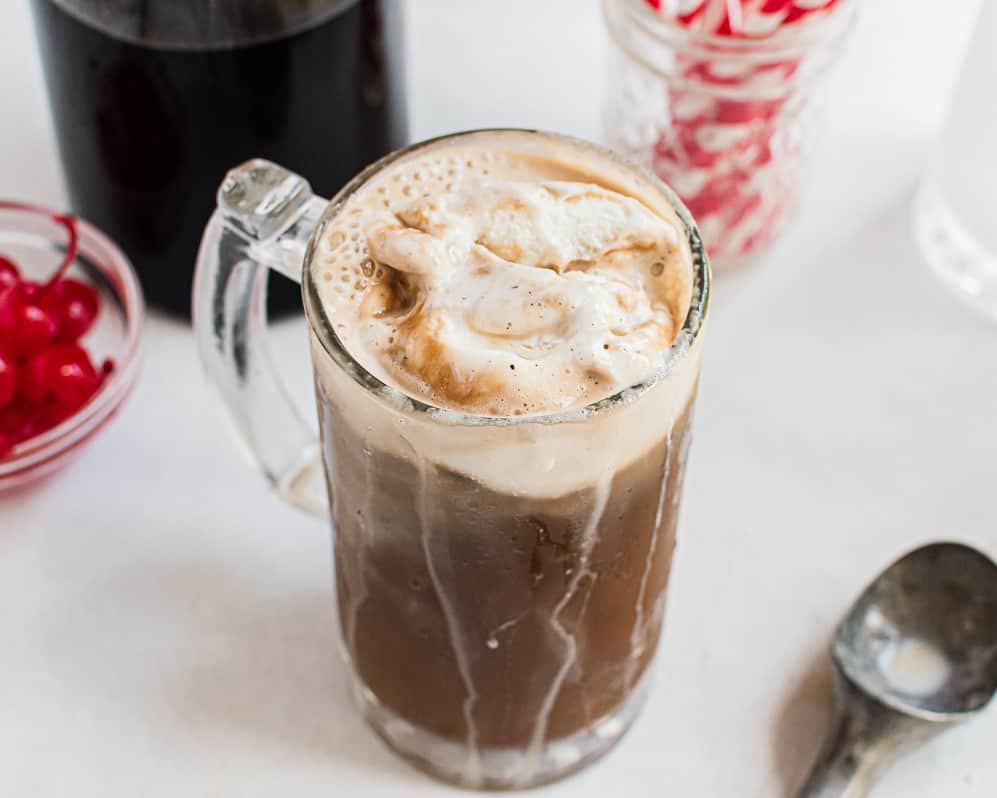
column 45, row 374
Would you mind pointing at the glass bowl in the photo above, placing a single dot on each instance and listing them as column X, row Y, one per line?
column 37, row 242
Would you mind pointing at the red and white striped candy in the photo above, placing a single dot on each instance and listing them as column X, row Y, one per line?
column 743, row 18
column 725, row 146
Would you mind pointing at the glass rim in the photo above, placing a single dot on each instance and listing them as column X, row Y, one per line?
column 324, row 330
column 785, row 42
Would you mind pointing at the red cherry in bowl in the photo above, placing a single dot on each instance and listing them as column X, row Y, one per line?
column 9, row 274
column 10, row 302
column 75, row 304
column 18, row 422
column 8, row 380
column 31, row 291
column 61, row 374
column 35, row 327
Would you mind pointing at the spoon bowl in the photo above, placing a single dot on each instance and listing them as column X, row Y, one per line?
column 922, row 638
column 915, row 654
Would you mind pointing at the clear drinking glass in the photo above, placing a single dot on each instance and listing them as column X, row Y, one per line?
column 501, row 581
column 729, row 123
column 955, row 221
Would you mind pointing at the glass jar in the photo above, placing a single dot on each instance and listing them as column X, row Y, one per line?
column 954, row 220
column 728, row 122
column 153, row 101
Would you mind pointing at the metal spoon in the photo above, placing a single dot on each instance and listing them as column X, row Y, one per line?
column 916, row 654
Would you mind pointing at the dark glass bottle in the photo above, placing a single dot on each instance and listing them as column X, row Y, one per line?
column 154, row 100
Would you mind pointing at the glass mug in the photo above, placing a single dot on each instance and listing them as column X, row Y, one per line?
column 501, row 580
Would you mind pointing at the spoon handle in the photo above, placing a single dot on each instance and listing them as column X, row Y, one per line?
column 865, row 738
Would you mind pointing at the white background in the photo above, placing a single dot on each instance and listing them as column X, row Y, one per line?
column 167, row 627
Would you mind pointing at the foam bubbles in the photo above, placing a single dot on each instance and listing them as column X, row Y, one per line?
column 359, row 287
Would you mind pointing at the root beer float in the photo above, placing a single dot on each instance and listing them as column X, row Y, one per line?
column 524, row 310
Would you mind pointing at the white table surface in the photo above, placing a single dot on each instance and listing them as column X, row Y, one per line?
column 167, row 627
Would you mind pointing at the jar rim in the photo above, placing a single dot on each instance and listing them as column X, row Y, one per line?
column 787, row 41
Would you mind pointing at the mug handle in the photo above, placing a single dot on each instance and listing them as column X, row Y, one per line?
column 264, row 219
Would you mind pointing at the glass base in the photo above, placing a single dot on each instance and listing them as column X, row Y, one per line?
column 953, row 252
column 498, row 768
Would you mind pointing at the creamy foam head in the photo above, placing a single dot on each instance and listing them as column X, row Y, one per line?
column 504, row 283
